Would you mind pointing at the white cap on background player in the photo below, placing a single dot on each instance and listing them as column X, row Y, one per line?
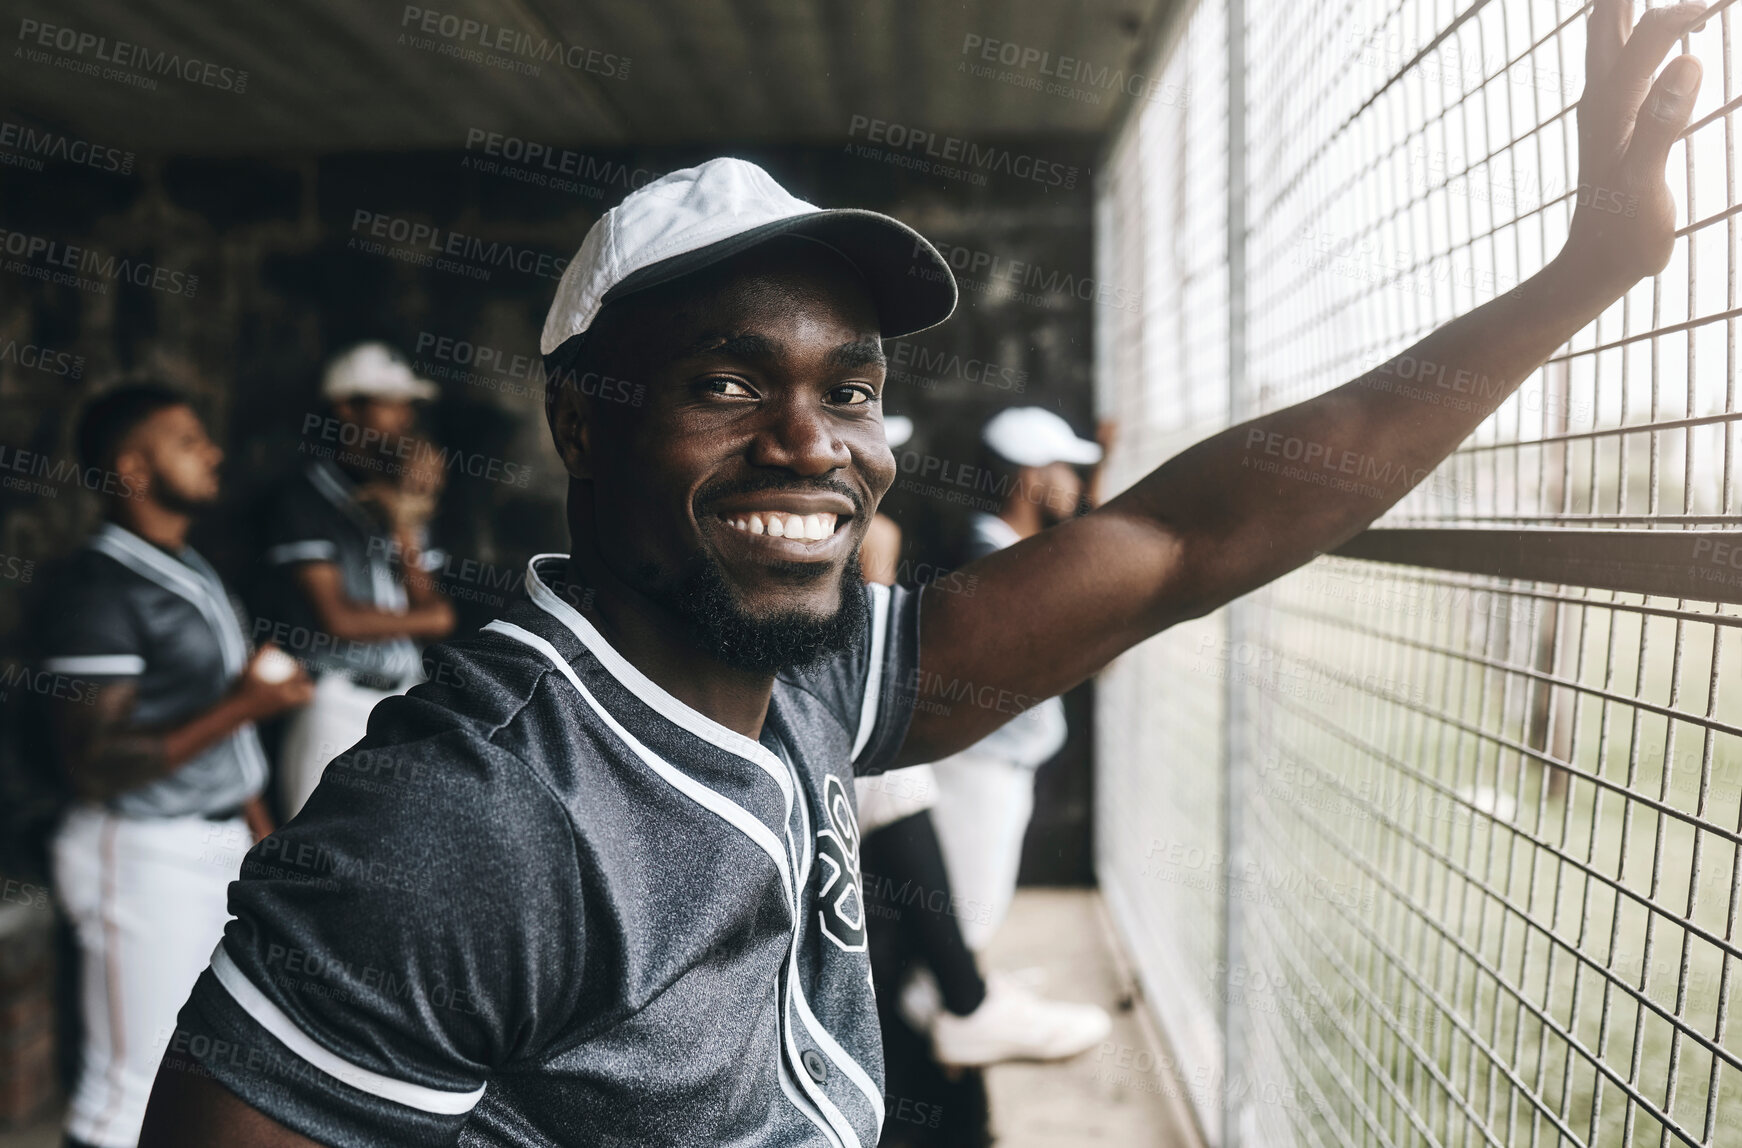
column 374, row 371
column 1034, row 436
column 897, row 429
column 690, row 219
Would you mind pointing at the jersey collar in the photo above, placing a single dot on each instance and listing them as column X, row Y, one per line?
column 189, row 578
column 649, row 692
column 337, row 488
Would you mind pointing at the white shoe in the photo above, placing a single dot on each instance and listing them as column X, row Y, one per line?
column 921, row 1000
column 1013, row 1023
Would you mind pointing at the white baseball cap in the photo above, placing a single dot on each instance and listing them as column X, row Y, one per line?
column 897, row 429
column 690, row 219
column 1034, row 436
column 374, row 371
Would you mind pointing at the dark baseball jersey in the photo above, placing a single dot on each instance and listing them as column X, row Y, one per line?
column 318, row 519
column 125, row 609
column 546, row 903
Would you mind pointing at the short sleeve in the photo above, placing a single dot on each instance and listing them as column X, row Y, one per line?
column 873, row 686
column 300, row 531
column 91, row 630
column 417, row 927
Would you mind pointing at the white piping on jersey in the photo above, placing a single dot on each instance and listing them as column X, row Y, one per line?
column 794, row 990
column 649, row 691
column 147, row 561
column 199, row 584
column 96, row 665
column 813, row 1102
column 718, row 804
column 339, row 490
column 843, row 1128
column 331, row 482
column 220, row 604
column 825, row 1039
column 730, row 740
column 724, row 808
column 271, row 1018
column 312, row 550
column 874, row 679
column 821, row 1035
column 798, row 1099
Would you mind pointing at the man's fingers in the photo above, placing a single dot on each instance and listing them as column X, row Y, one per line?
column 1665, row 113
column 1610, row 20
column 1656, row 32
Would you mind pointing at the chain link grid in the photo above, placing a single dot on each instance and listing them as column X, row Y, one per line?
column 1496, row 825
column 1162, row 372
column 1513, row 919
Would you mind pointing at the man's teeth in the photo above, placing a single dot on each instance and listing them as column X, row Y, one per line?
column 807, row 527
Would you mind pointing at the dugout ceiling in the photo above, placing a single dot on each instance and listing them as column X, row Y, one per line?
column 339, row 75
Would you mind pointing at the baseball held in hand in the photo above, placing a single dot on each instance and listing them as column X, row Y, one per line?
column 274, row 666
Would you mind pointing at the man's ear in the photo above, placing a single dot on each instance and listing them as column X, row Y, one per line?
column 133, row 471
column 571, row 428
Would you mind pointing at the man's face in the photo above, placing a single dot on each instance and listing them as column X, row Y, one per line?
column 389, row 419
column 170, row 456
column 1056, row 488
column 738, row 494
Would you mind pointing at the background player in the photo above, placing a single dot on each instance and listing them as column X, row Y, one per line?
column 922, row 917
column 158, row 746
column 349, row 539
column 985, row 794
column 636, row 858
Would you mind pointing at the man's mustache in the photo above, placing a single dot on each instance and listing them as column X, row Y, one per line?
column 713, row 492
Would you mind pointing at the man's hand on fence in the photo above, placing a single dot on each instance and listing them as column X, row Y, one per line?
column 1624, row 225
column 1248, row 505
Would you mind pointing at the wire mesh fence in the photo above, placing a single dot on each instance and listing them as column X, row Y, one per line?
column 1160, row 842
column 1492, row 862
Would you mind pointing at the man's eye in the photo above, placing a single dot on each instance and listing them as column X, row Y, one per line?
column 851, row 396
column 732, row 388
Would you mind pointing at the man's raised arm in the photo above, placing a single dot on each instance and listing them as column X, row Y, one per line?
column 1236, row 510
column 188, row 1110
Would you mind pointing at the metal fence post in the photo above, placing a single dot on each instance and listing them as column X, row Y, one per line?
column 1236, row 758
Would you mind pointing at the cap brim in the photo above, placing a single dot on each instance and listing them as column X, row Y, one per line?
column 911, row 284
column 1074, row 451
column 421, row 391
column 1082, row 453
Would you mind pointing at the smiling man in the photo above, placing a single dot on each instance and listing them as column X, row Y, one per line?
column 597, row 881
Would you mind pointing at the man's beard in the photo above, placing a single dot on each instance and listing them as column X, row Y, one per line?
column 175, row 501
column 703, row 598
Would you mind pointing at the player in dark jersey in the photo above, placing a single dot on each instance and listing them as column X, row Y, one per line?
column 157, row 742
column 596, row 881
column 922, row 949
column 348, row 541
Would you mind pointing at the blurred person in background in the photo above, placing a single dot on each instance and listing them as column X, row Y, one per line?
column 154, row 735
column 350, row 541
column 921, row 916
column 985, row 794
